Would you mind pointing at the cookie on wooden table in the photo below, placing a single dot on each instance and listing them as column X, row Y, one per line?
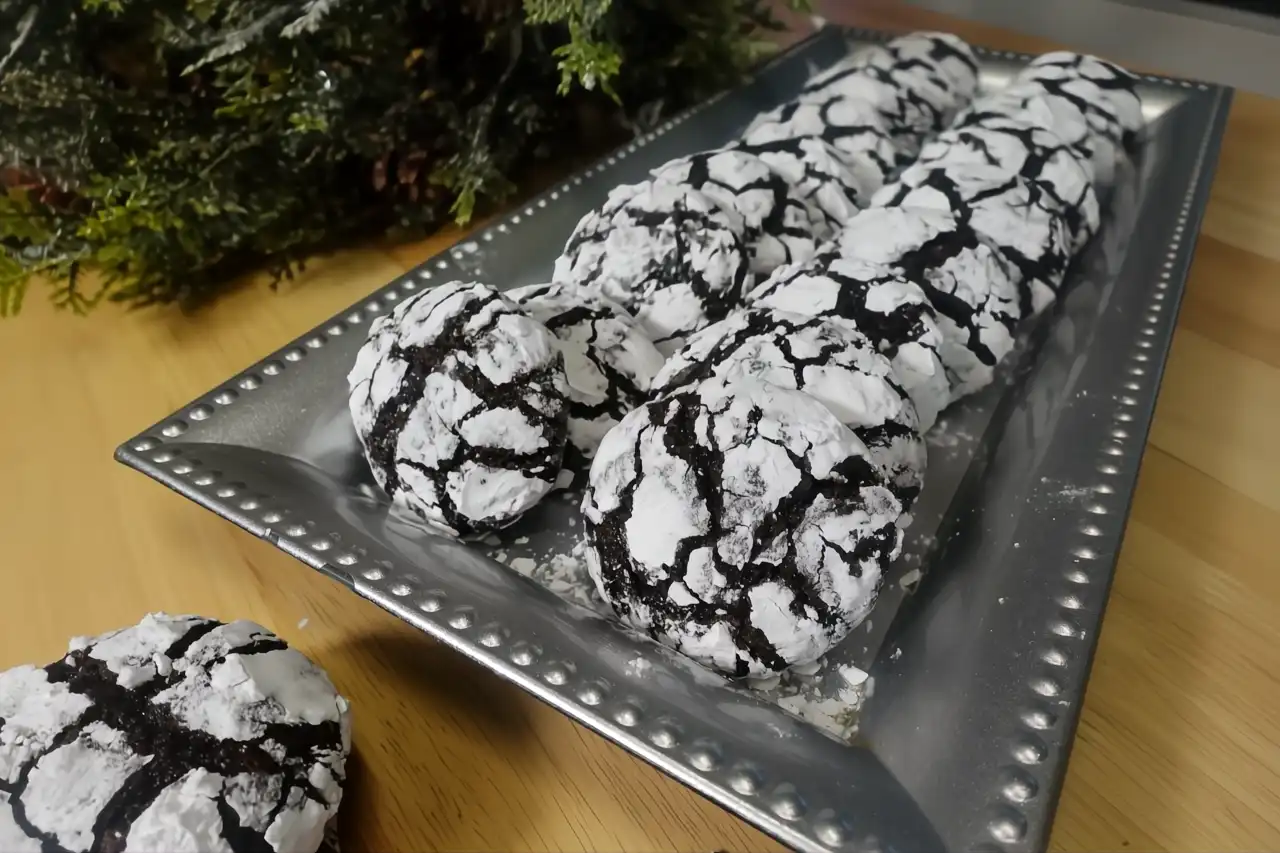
column 178, row 734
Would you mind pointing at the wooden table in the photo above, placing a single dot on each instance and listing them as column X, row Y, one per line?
column 1179, row 747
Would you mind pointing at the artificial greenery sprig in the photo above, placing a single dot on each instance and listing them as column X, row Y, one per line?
column 151, row 150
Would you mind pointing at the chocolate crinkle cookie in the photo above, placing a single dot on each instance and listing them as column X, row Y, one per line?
column 668, row 254
column 609, row 365
column 829, row 359
column 853, row 128
column 1106, row 93
column 1018, row 218
column 741, row 524
column 838, row 184
column 780, row 224
column 915, row 84
column 177, row 734
column 892, row 312
column 1016, row 145
column 460, row 401
column 973, row 290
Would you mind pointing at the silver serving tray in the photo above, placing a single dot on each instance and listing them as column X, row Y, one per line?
column 979, row 675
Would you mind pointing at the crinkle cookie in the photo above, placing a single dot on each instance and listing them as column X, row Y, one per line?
column 742, row 525
column 460, row 402
column 1019, row 218
column 668, row 254
column 829, row 359
column 891, row 311
column 176, row 734
column 970, row 286
column 609, row 365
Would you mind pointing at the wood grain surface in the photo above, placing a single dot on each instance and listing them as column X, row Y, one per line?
column 1179, row 746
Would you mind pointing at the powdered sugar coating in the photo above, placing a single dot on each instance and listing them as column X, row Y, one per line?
column 891, row 311
column 668, row 254
column 253, row 758
column 609, row 365
column 1015, row 216
column 1030, row 101
column 780, row 224
column 916, row 84
column 939, row 64
column 971, row 287
column 827, row 358
column 744, row 526
column 852, row 127
column 460, row 403
column 1114, row 89
column 1019, row 146
column 838, row 184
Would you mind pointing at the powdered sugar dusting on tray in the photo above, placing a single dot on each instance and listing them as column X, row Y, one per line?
column 827, row 694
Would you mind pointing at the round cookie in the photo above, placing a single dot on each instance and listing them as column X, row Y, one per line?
column 1015, row 216
column 460, row 403
column 837, row 184
column 908, row 108
column 936, row 67
column 1064, row 117
column 891, row 311
column 850, row 126
column 669, row 255
column 176, row 734
column 946, row 58
column 827, row 358
column 1019, row 146
column 970, row 286
column 780, row 225
column 742, row 525
column 1104, row 84
column 609, row 365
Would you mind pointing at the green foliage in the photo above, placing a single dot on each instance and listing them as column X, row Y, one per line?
column 150, row 150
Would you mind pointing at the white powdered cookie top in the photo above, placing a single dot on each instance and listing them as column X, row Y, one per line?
column 781, row 225
column 609, row 364
column 891, row 311
column 459, row 401
column 1066, row 116
column 669, row 255
column 852, row 127
column 1022, row 221
column 227, row 740
column 1017, row 145
column 744, row 526
column 837, row 184
column 970, row 286
column 1113, row 89
column 825, row 357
